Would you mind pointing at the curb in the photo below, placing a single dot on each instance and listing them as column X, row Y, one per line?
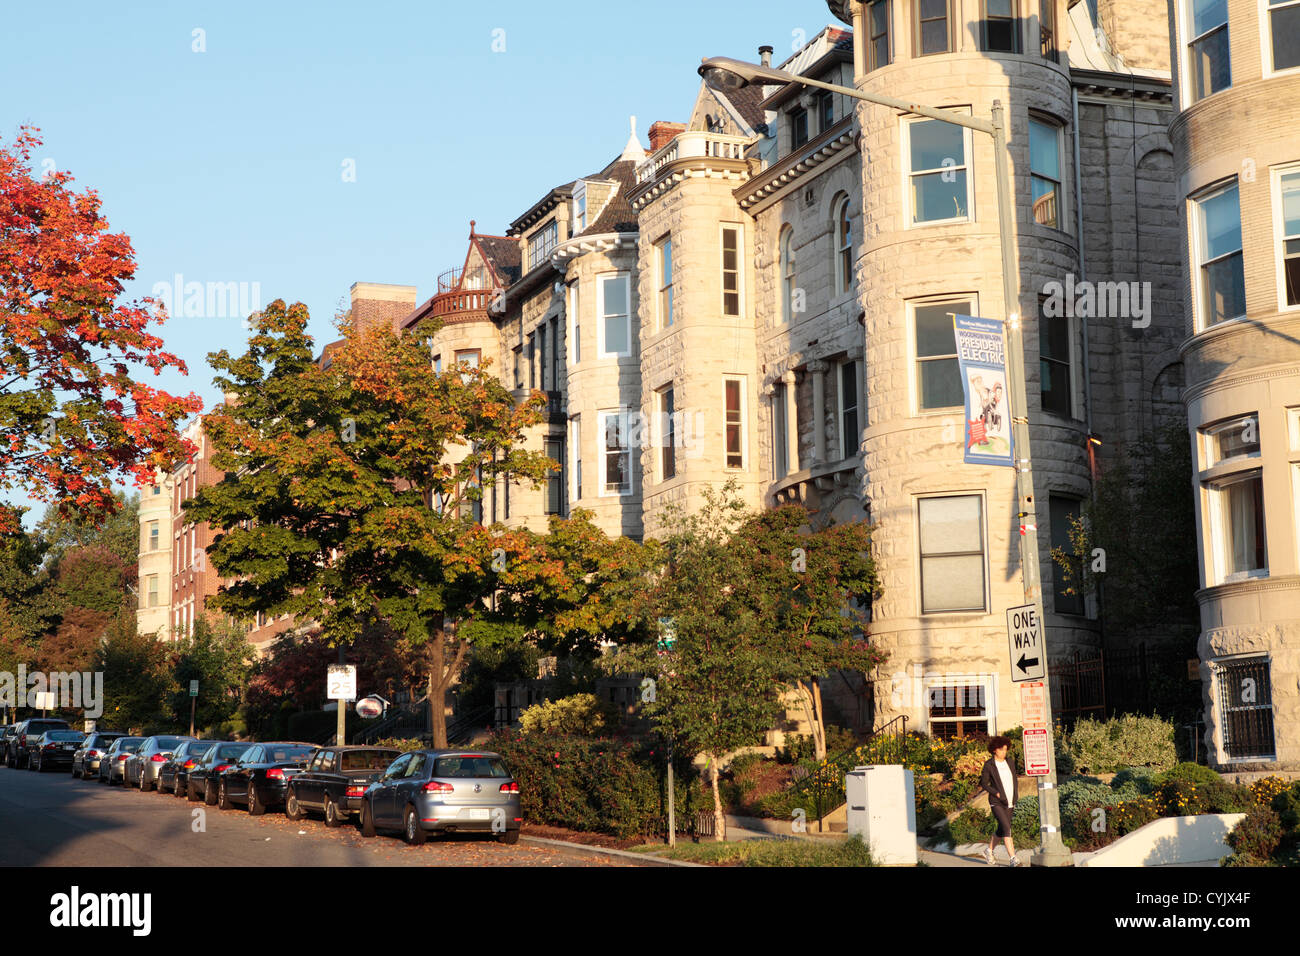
column 645, row 859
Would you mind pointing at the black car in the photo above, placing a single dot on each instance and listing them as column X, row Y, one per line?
column 258, row 778
column 201, row 781
column 85, row 760
column 6, row 734
column 172, row 774
column 334, row 781
column 442, row 791
column 111, row 764
column 26, row 731
column 53, row 750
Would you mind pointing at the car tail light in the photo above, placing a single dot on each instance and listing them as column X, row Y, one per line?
column 357, row 790
column 48, row 747
column 122, row 756
column 92, row 753
column 511, row 787
column 221, row 766
column 157, row 758
column 275, row 773
column 437, row 786
column 189, row 764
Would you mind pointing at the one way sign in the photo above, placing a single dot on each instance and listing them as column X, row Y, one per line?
column 1025, row 638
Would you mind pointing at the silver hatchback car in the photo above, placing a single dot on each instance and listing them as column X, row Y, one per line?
column 441, row 791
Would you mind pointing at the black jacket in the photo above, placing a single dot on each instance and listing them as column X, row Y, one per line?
column 991, row 782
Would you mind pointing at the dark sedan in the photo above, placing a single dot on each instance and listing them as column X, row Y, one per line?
column 110, row 765
column 85, row 760
column 27, row 731
column 53, row 750
column 258, row 779
column 335, row 780
column 201, row 781
column 173, row 773
column 141, row 768
column 442, row 791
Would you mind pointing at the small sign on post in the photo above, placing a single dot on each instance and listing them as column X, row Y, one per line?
column 1033, row 705
column 1036, row 754
column 1025, row 639
column 194, row 688
column 341, row 682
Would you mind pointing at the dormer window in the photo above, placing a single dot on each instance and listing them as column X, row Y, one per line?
column 542, row 242
column 825, row 110
column 579, row 209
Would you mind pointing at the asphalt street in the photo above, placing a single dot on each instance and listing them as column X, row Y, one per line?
column 50, row 819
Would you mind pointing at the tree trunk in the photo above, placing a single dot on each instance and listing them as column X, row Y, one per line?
column 441, row 675
column 819, row 727
column 719, row 819
column 812, row 710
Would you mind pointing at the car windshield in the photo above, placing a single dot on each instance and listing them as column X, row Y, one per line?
column 470, row 765
column 63, row 735
column 281, row 754
column 103, row 740
column 367, row 759
column 194, row 748
column 166, row 743
column 229, row 751
column 38, row 727
column 129, row 745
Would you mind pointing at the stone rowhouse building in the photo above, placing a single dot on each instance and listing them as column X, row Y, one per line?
column 765, row 295
column 1236, row 136
column 175, row 578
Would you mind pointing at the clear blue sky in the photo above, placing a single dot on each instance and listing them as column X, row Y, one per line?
column 227, row 165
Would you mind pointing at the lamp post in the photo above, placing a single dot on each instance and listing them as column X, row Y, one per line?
column 726, row 73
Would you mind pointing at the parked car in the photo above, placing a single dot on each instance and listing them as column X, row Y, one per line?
column 85, row 760
column 110, row 764
column 201, row 782
column 258, row 778
column 172, row 774
column 6, row 733
column 335, row 780
column 443, row 791
column 141, row 768
column 29, row 730
column 53, row 750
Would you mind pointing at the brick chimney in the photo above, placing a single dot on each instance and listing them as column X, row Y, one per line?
column 661, row 134
column 377, row 302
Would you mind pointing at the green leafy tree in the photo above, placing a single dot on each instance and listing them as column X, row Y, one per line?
column 25, row 608
column 351, row 487
column 220, row 658
column 136, row 678
column 64, row 529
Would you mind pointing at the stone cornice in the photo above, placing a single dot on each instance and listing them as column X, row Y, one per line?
column 604, row 242
column 797, row 165
column 695, row 168
column 1219, row 592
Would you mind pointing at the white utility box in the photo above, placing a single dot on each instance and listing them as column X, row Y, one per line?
column 882, row 810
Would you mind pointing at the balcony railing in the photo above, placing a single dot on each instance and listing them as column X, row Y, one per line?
column 449, row 280
column 462, row 301
column 693, row 144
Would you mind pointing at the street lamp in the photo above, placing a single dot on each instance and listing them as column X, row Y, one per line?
column 724, row 73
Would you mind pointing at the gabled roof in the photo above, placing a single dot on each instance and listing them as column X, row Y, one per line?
column 502, row 255
column 617, row 215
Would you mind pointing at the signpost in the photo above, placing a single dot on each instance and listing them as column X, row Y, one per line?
column 1025, row 638
column 1033, row 715
column 341, row 685
column 194, row 696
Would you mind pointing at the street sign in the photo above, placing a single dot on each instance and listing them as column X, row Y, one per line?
column 194, row 688
column 1036, row 762
column 369, row 707
column 1033, row 705
column 44, row 700
column 667, row 634
column 341, row 682
column 1025, row 638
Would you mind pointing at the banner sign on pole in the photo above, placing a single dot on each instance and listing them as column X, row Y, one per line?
column 981, row 356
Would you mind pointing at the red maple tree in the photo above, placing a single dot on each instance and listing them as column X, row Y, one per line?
column 72, row 419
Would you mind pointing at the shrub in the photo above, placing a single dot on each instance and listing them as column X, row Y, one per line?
column 596, row 784
column 1143, row 778
column 968, row 765
column 973, row 826
column 582, row 715
column 1131, row 814
column 1265, row 790
column 404, row 744
column 1125, row 741
column 1191, row 772
column 1258, row 835
column 1076, row 795
column 1024, row 822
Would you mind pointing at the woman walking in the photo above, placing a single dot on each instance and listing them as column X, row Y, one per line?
column 998, row 780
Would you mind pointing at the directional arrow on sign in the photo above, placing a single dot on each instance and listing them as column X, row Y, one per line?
column 1026, row 662
column 1025, row 637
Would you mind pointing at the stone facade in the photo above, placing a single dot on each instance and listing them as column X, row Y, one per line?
column 153, row 616
column 1242, row 357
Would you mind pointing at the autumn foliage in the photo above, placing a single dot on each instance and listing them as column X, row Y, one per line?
column 72, row 418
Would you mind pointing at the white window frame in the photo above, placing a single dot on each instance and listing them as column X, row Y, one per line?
column 1075, row 360
column 787, row 273
column 1062, row 209
column 984, row 552
column 889, row 35
column 1279, row 226
column 573, row 322
column 579, row 207
column 601, row 418
column 1017, row 18
column 664, row 316
column 1266, row 38
column 740, row 270
column 1209, row 439
column 913, row 378
column 1216, row 495
column 1183, row 13
column 602, row 281
column 843, row 278
column 989, row 684
column 907, row 173
column 915, row 12
column 1293, row 428
column 538, row 250
column 780, row 410
column 575, row 458
column 665, row 431
column 744, row 423
column 847, row 449
column 1198, row 262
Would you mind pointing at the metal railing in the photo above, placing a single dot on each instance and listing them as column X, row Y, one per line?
column 692, row 144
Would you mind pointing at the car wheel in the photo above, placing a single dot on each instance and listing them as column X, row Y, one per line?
column 291, row 808
column 181, row 794
column 510, row 836
column 367, row 821
column 223, row 798
column 255, row 807
column 209, row 794
column 331, row 812
column 415, row 834
column 144, row 788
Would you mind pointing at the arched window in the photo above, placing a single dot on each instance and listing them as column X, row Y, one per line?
column 843, row 245
column 787, row 274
